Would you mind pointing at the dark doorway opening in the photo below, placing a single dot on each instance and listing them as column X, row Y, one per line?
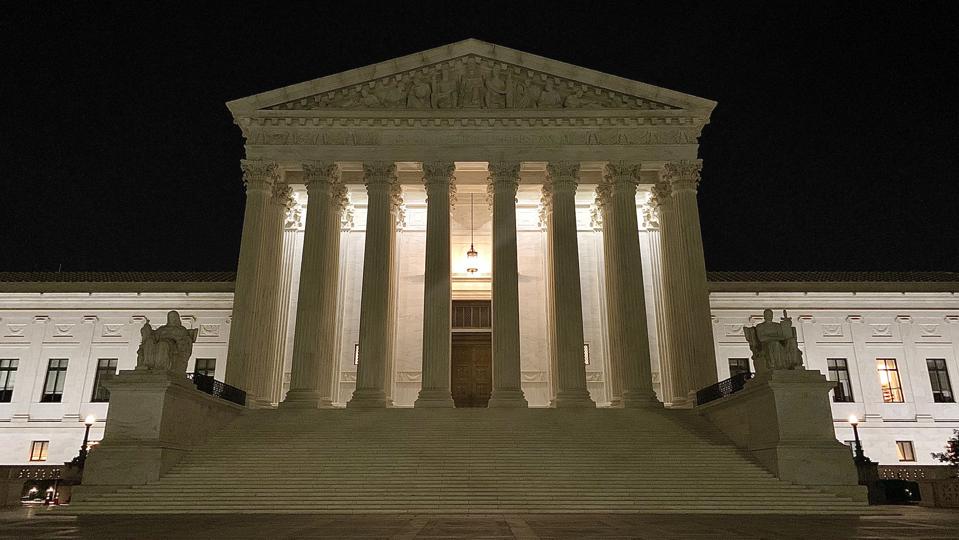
column 472, row 377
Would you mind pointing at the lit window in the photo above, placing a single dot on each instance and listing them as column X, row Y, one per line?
column 106, row 370
column 56, row 377
column 738, row 366
column 38, row 450
column 939, row 379
column 356, row 354
column 205, row 367
column 905, row 451
column 8, row 376
column 586, row 353
column 838, row 372
column 889, row 380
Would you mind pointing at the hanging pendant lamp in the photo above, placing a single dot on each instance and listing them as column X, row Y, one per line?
column 472, row 257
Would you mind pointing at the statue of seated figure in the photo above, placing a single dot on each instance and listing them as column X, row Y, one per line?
column 168, row 347
column 774, row 344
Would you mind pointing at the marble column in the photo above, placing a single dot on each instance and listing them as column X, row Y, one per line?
column 379, row 177
column 613, row 322
column 683, row 178
column 290, row 228
column 507, row 387
column 651, row 219
column 258, row 177
column 627, row 292
column 262, row 368
column 437, row 293
column 567, row 305
column 314, row 336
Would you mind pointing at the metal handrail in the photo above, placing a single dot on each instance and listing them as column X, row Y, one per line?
column 207, row 384
column 723, row 388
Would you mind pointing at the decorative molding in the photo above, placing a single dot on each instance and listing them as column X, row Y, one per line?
column 854, row 319
column 63, row 329
column 41, row 319
column 904, row 319
column 15, row 330
column 533, row 376
column 209, row 330
column 594, row 376
column 409, row 376
column 881, row 330
column 89, row 319
column 259, row 174
column 929, row 330
column 471, row 82
column 348, row 376
column 732, row 330
column 952, row 319
column 683, row 175
column 832, row 330
column 808, row 319
column 112, row 330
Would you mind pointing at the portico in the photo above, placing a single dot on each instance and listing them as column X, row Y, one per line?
column 588, row 234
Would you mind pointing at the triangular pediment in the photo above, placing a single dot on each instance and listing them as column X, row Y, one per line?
column 470, row 75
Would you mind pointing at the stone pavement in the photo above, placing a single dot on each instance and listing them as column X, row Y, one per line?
column 889, row 522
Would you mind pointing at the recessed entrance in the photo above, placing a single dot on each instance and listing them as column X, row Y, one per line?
column 471, row 356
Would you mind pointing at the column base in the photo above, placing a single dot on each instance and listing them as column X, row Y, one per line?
column 434, row 399
column 573, row 399
column 305, row 399
column 368, row 399
column 641, row 400
column 507, row 399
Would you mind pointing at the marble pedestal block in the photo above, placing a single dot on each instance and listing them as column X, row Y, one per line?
column 783, row 419
column 156, row 417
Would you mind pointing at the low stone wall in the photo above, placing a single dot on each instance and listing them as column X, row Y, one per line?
column 783, row 419
column 155, row 418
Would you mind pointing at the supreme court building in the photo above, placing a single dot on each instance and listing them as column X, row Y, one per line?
column 471, row 221
column 463, row 228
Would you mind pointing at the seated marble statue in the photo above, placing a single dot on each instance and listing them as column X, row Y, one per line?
column 774, row 344
column 168, row 347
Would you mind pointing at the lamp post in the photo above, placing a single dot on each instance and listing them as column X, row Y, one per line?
column 860, row 457
column 88, row 421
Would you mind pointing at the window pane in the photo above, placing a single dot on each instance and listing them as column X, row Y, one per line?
column 838, row 371
column 8, row 376
column 905, row 451
column 939, row 380
column 38, row 450
column 106, row 370
column 889, row 380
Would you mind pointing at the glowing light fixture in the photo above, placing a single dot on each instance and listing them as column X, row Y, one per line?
column 853, row 419
column 472, row 257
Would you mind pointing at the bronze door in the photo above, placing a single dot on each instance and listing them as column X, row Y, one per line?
column 471, row 359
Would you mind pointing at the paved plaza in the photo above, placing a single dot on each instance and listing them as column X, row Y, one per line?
column 886, row 522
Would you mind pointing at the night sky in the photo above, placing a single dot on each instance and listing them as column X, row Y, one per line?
column 834, row 146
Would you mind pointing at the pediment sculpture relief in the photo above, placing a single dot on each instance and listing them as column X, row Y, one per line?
column 471, row 82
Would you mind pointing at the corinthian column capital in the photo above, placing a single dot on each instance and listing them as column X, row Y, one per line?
column 621, row 172
column 379, row 173
column 562, row 176
column 325, row 172
column 504, row 175
column 438, row 173
column 259, row 174
column 683, row 175
column 283, row 195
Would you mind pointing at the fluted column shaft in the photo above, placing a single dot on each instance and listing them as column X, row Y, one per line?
column 662, row 325
column 258, row 177
column 262, row 368
column 676, row 299
column 437, row 294
column 683, row 177
column 314, row 337
column 283, row 304
column 567, row 304
column 507, row 387
column 628, row 291
column 379, row 178
column 613, row 321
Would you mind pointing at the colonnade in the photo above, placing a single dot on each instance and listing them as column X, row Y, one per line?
column 687, row 365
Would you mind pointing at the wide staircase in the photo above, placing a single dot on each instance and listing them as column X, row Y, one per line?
column 468, row 461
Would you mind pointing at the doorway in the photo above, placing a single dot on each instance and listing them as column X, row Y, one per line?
column 471, row 358
column 471, row 354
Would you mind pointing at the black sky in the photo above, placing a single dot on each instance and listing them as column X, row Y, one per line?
column 834, row 145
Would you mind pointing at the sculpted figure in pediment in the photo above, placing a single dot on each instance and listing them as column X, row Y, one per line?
column 445, row 90
column 471, row 88
column 392, row 95
column 497, row 90
column 418, row 96
column 550, row 98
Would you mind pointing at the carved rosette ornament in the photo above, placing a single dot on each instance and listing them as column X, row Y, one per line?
column 259, row 174
column 683, row 175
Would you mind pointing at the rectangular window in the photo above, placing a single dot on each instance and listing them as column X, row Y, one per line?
column 905, row 451
column 939, row 379
column 838, row 372
column 56, row 377
column 8, row 376
column 889, row 380
column 205, row 366
column 738, row 366
column 106, row 370
column 38, row 450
